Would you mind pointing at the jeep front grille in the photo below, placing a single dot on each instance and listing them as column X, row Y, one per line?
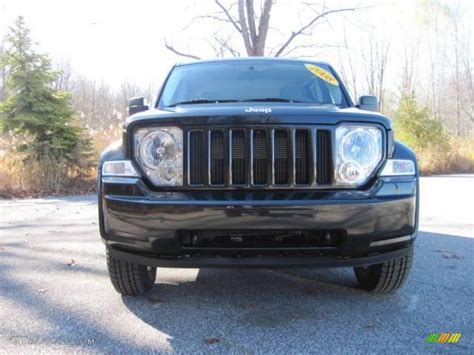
column 261, row 242
column 259, row 157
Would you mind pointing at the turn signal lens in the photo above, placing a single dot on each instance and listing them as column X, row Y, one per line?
column 398, row 167
column 119, row 168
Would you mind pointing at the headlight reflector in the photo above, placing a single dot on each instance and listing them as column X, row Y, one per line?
column 359, row 145
column 359, row 150
column 350, row 172
column 157, row 147
column 159, row 150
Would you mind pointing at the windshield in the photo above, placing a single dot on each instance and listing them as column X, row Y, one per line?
column 265, row 81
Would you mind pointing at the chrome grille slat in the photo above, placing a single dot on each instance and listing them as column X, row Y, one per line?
column 293, row 156
column 313, row 156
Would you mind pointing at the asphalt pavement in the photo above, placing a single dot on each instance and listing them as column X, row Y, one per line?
column 55, row 294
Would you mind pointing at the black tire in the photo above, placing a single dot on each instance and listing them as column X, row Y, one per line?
column 129, row 278
column 385, row 277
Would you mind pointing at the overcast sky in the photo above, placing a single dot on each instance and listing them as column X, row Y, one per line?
column 123, row 40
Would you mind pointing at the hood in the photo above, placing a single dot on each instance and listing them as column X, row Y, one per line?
column 257, row 113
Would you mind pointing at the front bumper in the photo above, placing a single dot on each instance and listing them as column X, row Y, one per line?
column 379, row 220
column 187, row 261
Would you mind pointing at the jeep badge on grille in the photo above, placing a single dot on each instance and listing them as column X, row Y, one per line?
column 258, row 110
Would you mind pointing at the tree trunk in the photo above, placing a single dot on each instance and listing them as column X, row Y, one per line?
column 245, row 29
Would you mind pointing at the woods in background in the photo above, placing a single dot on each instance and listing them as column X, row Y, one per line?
column 422, row 76
column 53, row 123
column 49, row 144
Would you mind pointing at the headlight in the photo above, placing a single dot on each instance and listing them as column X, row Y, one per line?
column 359, row 150
column 159, row 152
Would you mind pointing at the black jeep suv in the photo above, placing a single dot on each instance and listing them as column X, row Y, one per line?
column 257, row 163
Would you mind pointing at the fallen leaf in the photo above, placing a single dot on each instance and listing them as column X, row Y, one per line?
column 72, row 263
column 296, row 316
column 448, row 255
column 210, row 341
column 248, row 305
column 154, row 299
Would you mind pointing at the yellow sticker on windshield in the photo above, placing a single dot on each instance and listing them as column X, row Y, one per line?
column 322, row 74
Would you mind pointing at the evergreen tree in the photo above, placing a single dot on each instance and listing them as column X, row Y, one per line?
column 33, row 109
column 414, row 126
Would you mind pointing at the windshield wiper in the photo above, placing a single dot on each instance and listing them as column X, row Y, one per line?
column 216, row 101
column 201, row 101
column 273, row 99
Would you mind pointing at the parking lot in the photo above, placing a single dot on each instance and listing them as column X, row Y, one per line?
column 55, row 294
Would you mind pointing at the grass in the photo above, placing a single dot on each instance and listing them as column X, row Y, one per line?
column 23, row 178
column 458, row 157
column 45, row 177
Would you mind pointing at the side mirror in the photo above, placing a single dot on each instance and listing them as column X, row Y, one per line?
column 137, row 104
column 368, row 103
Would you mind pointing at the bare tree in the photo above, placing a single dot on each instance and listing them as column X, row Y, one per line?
column 180, row 53
column 253, row 27
column 454, row 16
column 128, row 90
column 95, row 103
column 375, row 59
column 64, row 77
column 450, row 80
column 466, row 82
column 468, row 87
column 409, row 81
column 101, row 108
column 3, row 72
column 348, row 67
